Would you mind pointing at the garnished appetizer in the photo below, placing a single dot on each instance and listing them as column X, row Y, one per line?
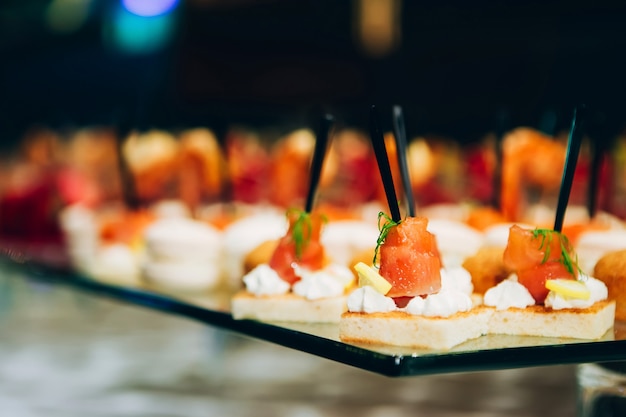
column 299, row 283
column 547, row 294
column 406, row 298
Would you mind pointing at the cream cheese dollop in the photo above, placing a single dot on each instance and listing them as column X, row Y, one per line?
column 323, row 283
column 338, row 272
column 330, row 281
column 263, row 280
column 442, row 304
column 508, row 293
column 458, row 278
column 453, row 297
column 367, row 300
column 598, row 292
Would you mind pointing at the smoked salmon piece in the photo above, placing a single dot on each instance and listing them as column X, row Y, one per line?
column 300, row 246
column 409, row 259
column 537, row 256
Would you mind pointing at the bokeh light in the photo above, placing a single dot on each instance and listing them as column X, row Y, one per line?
column 149, row 7
column 142, row 30
column 66, row 16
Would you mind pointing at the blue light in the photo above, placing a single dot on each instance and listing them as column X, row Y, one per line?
column 149, row 7
column 138, row 34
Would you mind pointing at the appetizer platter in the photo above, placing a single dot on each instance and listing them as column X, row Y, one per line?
column 392, row 290
column 490, row 352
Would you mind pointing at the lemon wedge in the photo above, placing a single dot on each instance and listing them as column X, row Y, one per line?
column 369, row 276
column 569, row 288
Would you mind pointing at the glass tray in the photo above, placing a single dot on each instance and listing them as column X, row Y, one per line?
column 491, row 352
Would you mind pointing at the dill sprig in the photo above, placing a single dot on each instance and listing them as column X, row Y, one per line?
column 565, row 258
column 301, row 229
column 384, row 227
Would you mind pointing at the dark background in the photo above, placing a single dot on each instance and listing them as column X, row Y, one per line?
column 279, row 62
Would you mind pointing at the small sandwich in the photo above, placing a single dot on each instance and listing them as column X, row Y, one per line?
column 406, row 298
column 299, row 283
column 547, row 294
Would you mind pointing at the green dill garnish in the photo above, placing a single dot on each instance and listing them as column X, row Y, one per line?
column 384, row 228
column 565, row 258
column 301, row 229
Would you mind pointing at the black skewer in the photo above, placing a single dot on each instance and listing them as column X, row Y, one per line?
column 401, row 146
column 378, row 143
column 321, row 143
column 571, row 159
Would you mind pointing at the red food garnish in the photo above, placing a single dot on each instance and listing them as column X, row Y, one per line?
column 300, row 246
column 409, row 258
column 538, row 255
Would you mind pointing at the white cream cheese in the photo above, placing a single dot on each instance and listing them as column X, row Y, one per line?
column 457, row 278
column 340, row 273
column 597, row 288
column 263, row 280
column 452, row 298
column 446, row 303
column 508, row 293
column 330, row 281
column 367, row 300
column 317, row 284
column 442, row 304
column 416, row 306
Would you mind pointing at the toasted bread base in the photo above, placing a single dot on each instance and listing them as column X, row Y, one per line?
column 402, row 329
column 287, row 308
column 589, row 323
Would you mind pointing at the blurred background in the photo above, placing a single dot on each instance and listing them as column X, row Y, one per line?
column 169, row 63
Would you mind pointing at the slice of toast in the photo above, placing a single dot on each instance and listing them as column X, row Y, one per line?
column 588, row 323
column 402, row 329
column 287, row 308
